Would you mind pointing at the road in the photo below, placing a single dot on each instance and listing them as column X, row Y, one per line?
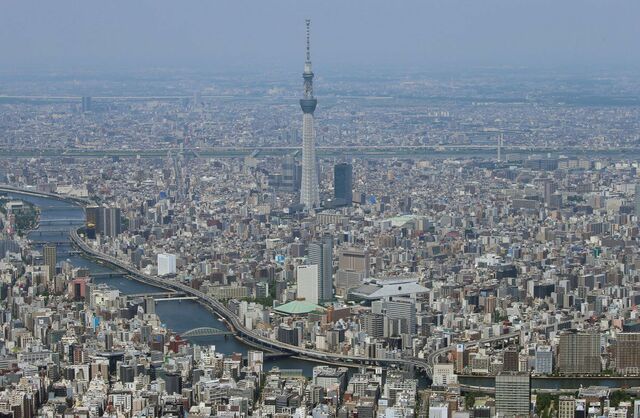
column 365, row 151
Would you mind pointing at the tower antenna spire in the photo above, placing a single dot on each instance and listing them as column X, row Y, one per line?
column 308, row 23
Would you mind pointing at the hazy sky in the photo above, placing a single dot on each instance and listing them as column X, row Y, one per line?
column 263, row 35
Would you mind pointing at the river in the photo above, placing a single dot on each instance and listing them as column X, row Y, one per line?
column 57, row 217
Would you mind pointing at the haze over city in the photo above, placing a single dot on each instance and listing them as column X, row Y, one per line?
column 320, row 209
column 260, row 36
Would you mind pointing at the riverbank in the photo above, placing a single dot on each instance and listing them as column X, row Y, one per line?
column 553, row 384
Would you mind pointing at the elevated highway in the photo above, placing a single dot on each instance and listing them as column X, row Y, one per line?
column 238, row 329
column 78, row 201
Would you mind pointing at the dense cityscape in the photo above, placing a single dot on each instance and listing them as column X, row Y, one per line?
column 368, row 245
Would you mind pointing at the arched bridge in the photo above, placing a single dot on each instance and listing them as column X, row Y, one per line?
column 204, row 332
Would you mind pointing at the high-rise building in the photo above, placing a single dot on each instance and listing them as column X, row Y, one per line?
column 321, row 254
column 510, row 360
column 354, row 259
column 343, row 184
column 628, row 352
column 353, row 266
column 513, row 394
column 636, row 200
column 103, row 220
column 50, row 258
column 288, row 335
column 290, row 174
column 373, row 324
column 309, row 193
column 579, row 353
column 289, row 177
column 308, row 283
column 86, row 104
column 401, row 311
column 166, row 264
column 544, row 360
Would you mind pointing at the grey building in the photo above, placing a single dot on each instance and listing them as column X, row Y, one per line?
column 544, row 360
column 513, row 394
column 343, row 184
column 321, row 254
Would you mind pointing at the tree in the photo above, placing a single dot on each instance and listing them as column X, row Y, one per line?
column 619, row 396
column 469, row 400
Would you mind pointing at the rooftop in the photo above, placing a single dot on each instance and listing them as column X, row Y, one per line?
column 299, row 307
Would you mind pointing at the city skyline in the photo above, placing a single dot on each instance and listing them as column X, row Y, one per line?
column 428, row 243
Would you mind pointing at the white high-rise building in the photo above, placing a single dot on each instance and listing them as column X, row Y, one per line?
column 308, row 283
column 166, row 264
column 309, row 193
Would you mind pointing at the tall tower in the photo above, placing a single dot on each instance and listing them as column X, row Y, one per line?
column 309, row 194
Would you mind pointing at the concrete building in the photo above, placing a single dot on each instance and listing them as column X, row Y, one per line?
column 343, row 184
column 628, row 353
column 566, row 407
column 544, row 360
column 50, row 259
column 308, row 283
column 321, row 254
column 579, row 353
column 513, row 394
column 166, row 264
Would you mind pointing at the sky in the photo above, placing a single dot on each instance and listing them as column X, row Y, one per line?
column 268, row 35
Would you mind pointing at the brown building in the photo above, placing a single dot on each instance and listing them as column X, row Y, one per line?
column 628, row 353
column 510, row 360
column 579, row 353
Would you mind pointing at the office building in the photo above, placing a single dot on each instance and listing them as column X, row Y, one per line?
column 288, row 335
column 566, row 407
column 513, row 394
column 289, row 177
column 50, row 258
column 174, row 383
column 255, row 360
column 309, row 190
column 166, row 264
column 343, row 184
column 112, row 222
column 636, row 200
column 443, row 374
column 399, row 315
column 510, row 360
column 544, row 360
column 103, row 220
column 373, row 324
column 628, row 353
column 321, row 254
column 579, row 353
column 86, row 104
column 354, row 259
column 353, row 267
column 308, row 283
column 91, row 223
